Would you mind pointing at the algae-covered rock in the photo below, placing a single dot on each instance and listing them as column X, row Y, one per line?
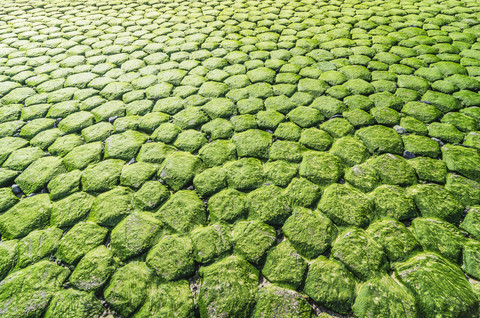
column 125, row 145
column 269, row 205
column 179, row 169
column 79, row 240
column 7, row 199
column 151, row 195
column 321, row 168
column 285, row 266
column 471, row 258
column 443, row 102
column 465, row 161
column 8, row 257
column 279, row 172
column 81, row 156
column 445, row 132
column 397, row 241
column 315, row 139
column 39, row 173
column 93, row 270
column 172, row 258
column 27, row 292
column 210, row 181
column 172, row 299
column 351, row 150
column 421, row 146
column 217, row 153
column 102, row 176
column 471, row 222
column 211, row 242
column 71, row 209
column 438, row 285
column 384, row 297
column 393, row 170
column 128, row 287
column 429, row 169
column 434, row 201
column 135, row 175
column 310, row 232
column 466, row 191
column 183, row 211
column 37, row 245
column 22, row 158
column 29, row 214
column 439, row 236
column 380, row 139
column 228, row 288
column 135, row 234
column 244, row 174
column 330, row 284
column 345, row 205
column 301, row 192
column 227, row 206
column 71, row 303
column 110, row 207
column 252, row 239
column 253, row 143
column 277, row 301
column 363, row 177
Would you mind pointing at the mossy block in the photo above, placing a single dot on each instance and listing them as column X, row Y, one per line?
column 39, row 173
column 328, row 106
column 385, row 116
column 190, row 140
column 435, row 201
column 467, row 98
column 311, row 86
column 421, row 146
column 125, row 145
column 384, row 294
column 228, row 287
column 472, row 140
column 275, row 300
column 79, row 240
column 115, row 90
column 284, row 89
column 345, row 205
column 356, row 71
column 463, row 160
column 302, row 98
column 269, row 205
column 166, row 132
column 74, row 303
column 183, row 211
column 36, row 126
column 76, row 122
column 97, row 132
column 394, row 170
column 428, row 169
column 301, row 192
column 219, row 128
column 407, row 95
column 445, row 87
column 443, row 102
column 219, row 108
column 321, row 168
column 135, row 234
column 179, row 169
column 136, row 174
column 473, row 112
column 261, row 74
column 363, row 177
column 82, row 156
column 386, row 99
column 471, row 256
column 360, row 253
column 464, row 82
column 190, row 118
column 210, row 181
column 110, row 207
column 8, row 256
column 70, row 210
column 10, row 112
column 359, row 86
column 63, row 109
column 169, row 105
column 108, row 110
column 429, row 276
column 396, row 240
column 281, row 104
column 439, row 237
column 413, row 125
column 17, row 95
column 471, row 222
column 128, row 287
column 330, row 284
column 446, row 132
column 139, row 107
column 305, row 116
column 466, row 191
column 151, row 195
column 286, row 131
column 334, row 77
column 338, row 127
column 252, row 239
column 421, row 111
column 64, row 184
column 37, row 284
column 413, row 82
column 227, row 206
column 217, row 153
column 37, row 245
column 7, row 199
column 337, row 92
column 461, row 121
column 21, row 158
column 250, row 106
column 384, row 86
column 358, row 118
column 269, row 119
column 91, row 103
column 280, row 172
column 380, row 139
column 172, row 258
column 350, row 150
column 358, row 102
column 211, row 242
column 450, row 68
column 393, row 201
column 213, row 89
column 315, row 139
column 286, row 150
column 253, row 143
column 64, row 144
column 102, row 176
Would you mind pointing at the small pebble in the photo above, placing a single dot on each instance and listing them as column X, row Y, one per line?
column 400, row 129
column 408, row 155
column 112, row 119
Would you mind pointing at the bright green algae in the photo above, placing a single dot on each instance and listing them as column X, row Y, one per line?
column 223, row 159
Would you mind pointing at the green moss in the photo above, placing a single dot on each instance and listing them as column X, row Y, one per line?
column 102, row 176
column 252, row 239
column 7, row 199
column 462, row 160
column 210, row 181
column 413, row 125
column 429, row 169
column 421, row 111
column 385, row 116
column 211, row 242
column 70, row 210
column 350, row 150
column 471, row 255
column 471, row 223
column 275, row 300
column 73, row 303
column 217, row 153
column 380, row 139
column 421, row 146
column 8, row 257
column 320, row 168
column 125, row 145
column 189, row 118
column 64, row 144
column 219, row 108
column 244, row 174
column 97, row 132
column 363, row 177
column 34, row 127
column 179, row 169
column 37, row 245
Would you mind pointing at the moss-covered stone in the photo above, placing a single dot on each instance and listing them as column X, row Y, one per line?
column 190, row 140
column 183, row 211
column 7, row 199
column 274, row 300
column 269, row 205
column 37, row 245
column 363, row 177
column 8, row 257
column 463, row 160
column 394, row 170
column 22, row 158
column 97, row 132
column 135, row 175
column 128, row 287
column 321, row 168
column 227, row 206
column 438, row 285
column 302, row 192
column 219, row 108
column 466, row 191
column 443, row 102
column 429, row 169
column 172, row 258
column 64, row 144
column 244, row 174
column 471, row 256
column 102, row 176
column 252, row 239
column 384, row 296
column 211, row 242
column 154, row 152
column 228, row 287
column 380, row 139
column 179, row 169
column 39, row 173
column 393, row 201
column 351, row 150
column 27, row 215
column 360, row 253
column 125, row 145
column 330, row 284
column 94, row 270
column 315, row 139
column 70, row 210
column 471, row 222
column 424, row 112
column 151, row 195
column 73, row 303
column 434, row 201
column 110, row 207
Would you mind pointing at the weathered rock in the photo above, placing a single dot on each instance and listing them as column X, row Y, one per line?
column 269, row 205
column 321, row 168
column 282, row 302
column 37, row 245
column 110, row 207
column 39, row 173
column 71, row 303
column 227, row 206
column 179, row 169
column 211, row 242
column 252, row 240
